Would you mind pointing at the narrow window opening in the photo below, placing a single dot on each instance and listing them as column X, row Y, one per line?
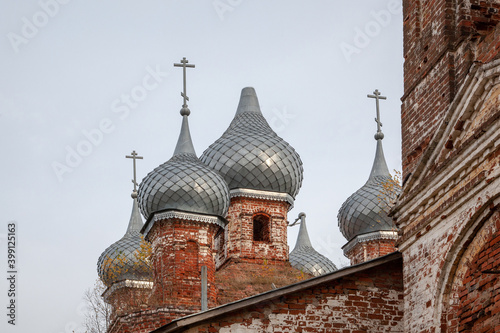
column 261, row 228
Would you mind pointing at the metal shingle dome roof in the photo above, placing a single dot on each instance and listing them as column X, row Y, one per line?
column 251, row 155
column 184, row 183
column 305, row 257
column 125, row 259
column 364, row 211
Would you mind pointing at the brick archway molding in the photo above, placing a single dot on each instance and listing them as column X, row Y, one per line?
column 478, row 230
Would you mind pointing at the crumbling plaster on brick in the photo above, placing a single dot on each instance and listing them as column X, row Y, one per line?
column 474, row 235
column 422, row 190
column 470, row 183
column 447, row 38
column 335, row 308
column 469, row 93
column 427, row 261
column 238, row 232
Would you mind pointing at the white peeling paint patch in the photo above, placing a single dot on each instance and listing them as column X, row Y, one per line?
column 238, row 328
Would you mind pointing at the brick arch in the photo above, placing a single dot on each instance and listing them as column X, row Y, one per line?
column 479, row 293
column 460, row 274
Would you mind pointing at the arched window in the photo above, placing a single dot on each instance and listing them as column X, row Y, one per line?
column 261, row 228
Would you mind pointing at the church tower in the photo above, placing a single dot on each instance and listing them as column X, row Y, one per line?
column 363, row 216
column 124, row 266
column 264, row 174
column 185, row 203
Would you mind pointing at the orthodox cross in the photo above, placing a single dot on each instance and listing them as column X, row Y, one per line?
column 377, row 96
column 184, row 64
column 134, row 157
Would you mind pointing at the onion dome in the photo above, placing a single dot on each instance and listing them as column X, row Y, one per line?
column 366, row 210
column 305, row 257
column 250, row 155
column 126, row 259
column 184, row 183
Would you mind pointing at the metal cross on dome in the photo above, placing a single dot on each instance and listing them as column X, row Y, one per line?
column 134, row 157
column 377, row 96
column 184, row 64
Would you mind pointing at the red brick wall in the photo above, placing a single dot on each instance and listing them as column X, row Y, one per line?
column 238, row 234
column 179, row 250
column 479, row 296
column 240, row 278
column 442, row 39
column 144, row 321
column 126, row 300
column 368, row 301
column 370, row 250
column 427, row 79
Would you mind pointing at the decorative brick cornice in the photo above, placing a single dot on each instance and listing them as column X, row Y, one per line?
column 368, row 237
column 175, row 214
column 433, row 177
column 264, row 195
column 127, row 284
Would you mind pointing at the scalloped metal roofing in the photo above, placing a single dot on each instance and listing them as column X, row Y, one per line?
column 364, row 211
column 124, row 259
column 184, row 183
column 251, row 155
column 305, row 258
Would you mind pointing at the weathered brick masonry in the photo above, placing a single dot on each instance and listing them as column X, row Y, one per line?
column 179, row 249
column 240, row 243
column 126, row 300
column 364, row 298
column 479, row 294
column 451, row 166
column 442, row 39
column 240, row 279
column 370, row 250
column 247, row 266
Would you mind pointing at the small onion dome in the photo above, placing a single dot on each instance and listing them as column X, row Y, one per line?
column 366, row 211
column 305, row 257
column 251, row 155
column 127, row 258
column 184, row 183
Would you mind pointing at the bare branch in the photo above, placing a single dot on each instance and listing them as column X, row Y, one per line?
column 97, row 318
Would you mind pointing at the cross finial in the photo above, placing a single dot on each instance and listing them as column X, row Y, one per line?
column 377, row 96
column 184, row 64
column 134, row 156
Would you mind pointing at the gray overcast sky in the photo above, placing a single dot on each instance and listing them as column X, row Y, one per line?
column 69, row 68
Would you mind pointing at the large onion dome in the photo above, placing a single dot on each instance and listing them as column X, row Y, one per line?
column 366, row 210
column 184, row 183
column 305, row 257
column 250, row 155
column 127, row 258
